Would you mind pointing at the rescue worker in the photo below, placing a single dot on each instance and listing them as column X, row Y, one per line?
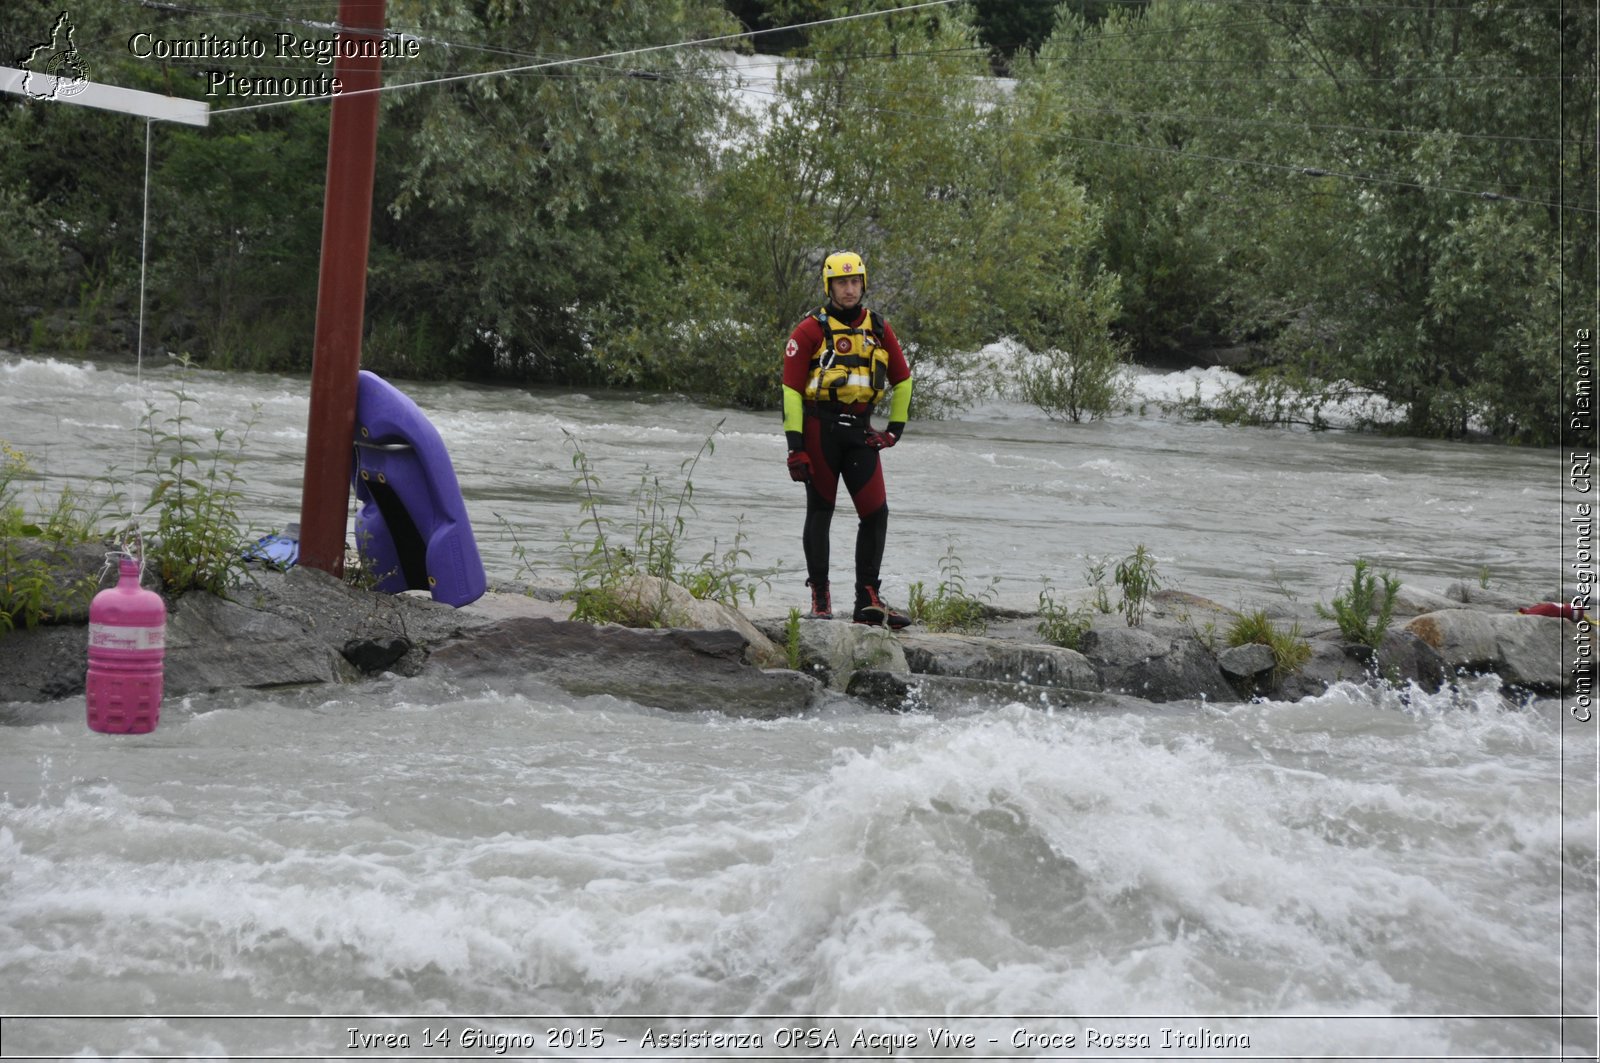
column 839, row 362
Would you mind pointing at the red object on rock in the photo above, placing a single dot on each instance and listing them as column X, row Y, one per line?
column 1562, row 609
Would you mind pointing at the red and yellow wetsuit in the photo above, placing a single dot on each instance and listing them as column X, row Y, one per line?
column 837, row 365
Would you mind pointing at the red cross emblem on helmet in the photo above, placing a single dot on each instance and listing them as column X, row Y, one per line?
column 843, row 264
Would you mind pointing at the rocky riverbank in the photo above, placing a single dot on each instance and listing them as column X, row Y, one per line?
column 302, row 627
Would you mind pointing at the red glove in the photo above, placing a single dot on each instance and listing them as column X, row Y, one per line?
column 881, row 440
column 799, row 466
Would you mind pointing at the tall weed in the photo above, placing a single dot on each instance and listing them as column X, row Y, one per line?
column 1136, row 575
column 606, row 552
column 1362, row 612
column 195, row 490
column 34, row 564
column 951, row 607
column 1290, row 651
column 1061, row 624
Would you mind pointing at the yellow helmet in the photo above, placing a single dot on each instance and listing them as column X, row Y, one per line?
column 843, row 264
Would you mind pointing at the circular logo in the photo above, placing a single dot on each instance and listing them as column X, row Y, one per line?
column 843, row 346
column 791, row 348
column 70, row 76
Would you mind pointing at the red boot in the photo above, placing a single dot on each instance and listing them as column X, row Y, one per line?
column 871, row 610
column 821, row 602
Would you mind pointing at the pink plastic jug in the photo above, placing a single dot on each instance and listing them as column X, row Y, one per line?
column 127, row 648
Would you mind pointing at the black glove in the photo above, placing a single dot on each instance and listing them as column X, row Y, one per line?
column 799, row 466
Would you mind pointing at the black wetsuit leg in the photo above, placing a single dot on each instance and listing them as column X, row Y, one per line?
column 837, row 447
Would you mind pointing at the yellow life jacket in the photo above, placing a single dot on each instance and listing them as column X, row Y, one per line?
column 852, row 364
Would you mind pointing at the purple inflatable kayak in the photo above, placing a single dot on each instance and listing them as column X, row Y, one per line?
column 412, row 527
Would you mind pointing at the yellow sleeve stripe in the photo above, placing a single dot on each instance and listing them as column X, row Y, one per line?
column 794, row 410
column 900, row 401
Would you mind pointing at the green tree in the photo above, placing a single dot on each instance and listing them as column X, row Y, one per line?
column 235, row 208
column 1367, row 193
column 1437, row 288
column 531, row 224
column 1060, row 301
column 540, row 221
column 892, row 140
column 1121, row 93
column 236, row 225
column 1008, row 27
column 73, row 178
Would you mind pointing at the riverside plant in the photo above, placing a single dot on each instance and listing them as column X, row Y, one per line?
column 951, row 607
column 791, row 639
column 195, row 489
column 1095, row 572
column 194, row 492
column 519, row 550
column 1362, row 613
column 359, row 571
column 1062, row 625
column 1290, row 650
column 605, row 553
column 33, row 560
column 1136, row 575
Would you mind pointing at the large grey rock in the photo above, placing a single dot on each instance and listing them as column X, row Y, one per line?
column 1401, row 659
column 291, row 632
column 1249, row 668
column 277, row 629
column 1190, row 610
column 977, row 657
column 1464, row 593
column 44, row 663
column 675, row 669
column 833, row 651
column 303, row 626
column 657, row 602
column 1525, row 651
column 334, row 613
column 1414, row 601
column 215, row 644
column 371, row 631
column 1156, row 667
column 1248, row 661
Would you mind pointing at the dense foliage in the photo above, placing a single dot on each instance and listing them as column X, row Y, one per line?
column 1395, row 200
column 1373, row 196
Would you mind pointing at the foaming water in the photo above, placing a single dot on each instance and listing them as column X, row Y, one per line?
column 417, row 849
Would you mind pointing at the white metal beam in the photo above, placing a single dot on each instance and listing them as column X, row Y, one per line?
column 106, row 97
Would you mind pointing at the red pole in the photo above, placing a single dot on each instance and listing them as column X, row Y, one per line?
column 341, row 289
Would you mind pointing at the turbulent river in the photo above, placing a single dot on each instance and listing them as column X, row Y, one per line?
column 414, row 869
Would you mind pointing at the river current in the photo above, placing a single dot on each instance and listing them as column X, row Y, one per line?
column 421, row 869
